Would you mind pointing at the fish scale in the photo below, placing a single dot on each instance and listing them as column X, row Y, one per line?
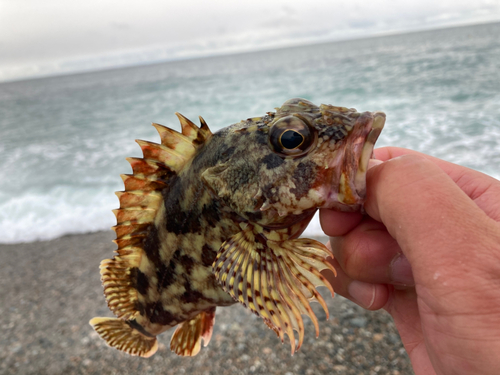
column 210, row 220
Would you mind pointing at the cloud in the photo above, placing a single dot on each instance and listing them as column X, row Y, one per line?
column 55, row 36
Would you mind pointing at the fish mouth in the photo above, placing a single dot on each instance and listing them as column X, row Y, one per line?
column 366, row 154
column 353, row 159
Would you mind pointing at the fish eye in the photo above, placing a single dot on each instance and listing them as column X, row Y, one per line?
column 291, row 139
column 291, row 136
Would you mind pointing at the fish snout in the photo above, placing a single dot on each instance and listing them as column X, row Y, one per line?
column 365, row 153
column 348, row 187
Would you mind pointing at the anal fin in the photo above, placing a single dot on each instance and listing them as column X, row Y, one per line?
column 121, row 335
column 186, row 340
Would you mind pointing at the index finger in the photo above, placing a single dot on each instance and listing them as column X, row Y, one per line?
column 437, row 226
column 481, row 188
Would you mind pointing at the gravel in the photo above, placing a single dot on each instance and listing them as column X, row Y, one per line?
column 50, row 290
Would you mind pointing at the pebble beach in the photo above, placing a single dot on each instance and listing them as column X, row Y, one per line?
column 49, row 291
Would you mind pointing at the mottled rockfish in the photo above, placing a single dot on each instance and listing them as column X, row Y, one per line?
column 208, row 220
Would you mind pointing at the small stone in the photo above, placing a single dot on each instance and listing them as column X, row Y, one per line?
column 245, row 357
column 86, row 362
column 16, row 348
column 267, row 350
column 338, row 338
column 377, row 337
column 359, row 322
column 85, row 340
column 394, row 339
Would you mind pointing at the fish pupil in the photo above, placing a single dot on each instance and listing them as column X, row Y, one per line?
column 291, row 139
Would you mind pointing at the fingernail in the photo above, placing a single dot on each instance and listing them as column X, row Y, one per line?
column 373, row 162
column 362, row 293
column 401, row 273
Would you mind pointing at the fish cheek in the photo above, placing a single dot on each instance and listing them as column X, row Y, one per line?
column 235, row 185
column 290, row 187
column 303, row 178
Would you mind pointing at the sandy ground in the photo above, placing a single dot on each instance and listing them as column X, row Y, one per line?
column 50, row 290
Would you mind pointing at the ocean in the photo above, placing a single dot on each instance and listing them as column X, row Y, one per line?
column 64, row 140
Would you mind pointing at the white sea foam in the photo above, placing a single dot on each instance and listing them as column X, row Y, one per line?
column 63, row 140
column 30, row 217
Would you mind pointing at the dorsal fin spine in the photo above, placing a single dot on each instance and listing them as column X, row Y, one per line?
column 204, row 127
column 169, row 157
column 173, row 139
column 139, row 204
column 140, row 182
column 145, row 166
column 139, row 198
column 189, row 128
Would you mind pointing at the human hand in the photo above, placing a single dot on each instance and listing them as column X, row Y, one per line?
column 429, row 254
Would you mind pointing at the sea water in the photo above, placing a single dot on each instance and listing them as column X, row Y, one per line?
column 63, row 140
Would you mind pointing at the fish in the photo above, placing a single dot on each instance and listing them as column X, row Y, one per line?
column 213, row 219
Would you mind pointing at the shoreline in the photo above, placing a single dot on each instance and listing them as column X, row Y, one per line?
column 49, row 290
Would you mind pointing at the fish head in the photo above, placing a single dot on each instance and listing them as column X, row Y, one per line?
column 303, row 157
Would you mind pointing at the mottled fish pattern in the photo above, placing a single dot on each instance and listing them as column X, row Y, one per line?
column 209, row 220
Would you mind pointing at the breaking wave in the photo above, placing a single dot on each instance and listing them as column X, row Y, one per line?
column 64, row 139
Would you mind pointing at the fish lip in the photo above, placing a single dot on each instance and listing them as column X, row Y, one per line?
column 349, row 180
column 375, row 128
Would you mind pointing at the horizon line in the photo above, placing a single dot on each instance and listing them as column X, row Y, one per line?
column 242, row 52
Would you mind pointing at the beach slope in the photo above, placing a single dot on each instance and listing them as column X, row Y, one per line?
column 50, row 290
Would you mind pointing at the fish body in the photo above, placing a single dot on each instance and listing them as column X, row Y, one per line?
column 210, row 220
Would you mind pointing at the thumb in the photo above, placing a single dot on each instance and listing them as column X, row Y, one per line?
column 437, row 226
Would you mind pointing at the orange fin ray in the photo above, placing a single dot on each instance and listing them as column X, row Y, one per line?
column 139, row 182
column 139, row 198
column 168, row 156
column 194, row 133
column 186, row 340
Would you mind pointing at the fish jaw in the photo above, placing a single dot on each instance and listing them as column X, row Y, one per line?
column 346, row 190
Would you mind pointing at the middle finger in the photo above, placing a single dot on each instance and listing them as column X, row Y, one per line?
column 368, row 253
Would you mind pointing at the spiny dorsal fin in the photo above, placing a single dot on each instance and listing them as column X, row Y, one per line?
column 190, row 130
column 175, row 140
column 139, row 204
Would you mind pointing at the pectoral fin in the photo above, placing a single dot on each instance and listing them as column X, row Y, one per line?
column 186, row 340
column 274, row 279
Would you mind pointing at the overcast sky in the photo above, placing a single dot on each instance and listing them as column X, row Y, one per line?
column 42, row 37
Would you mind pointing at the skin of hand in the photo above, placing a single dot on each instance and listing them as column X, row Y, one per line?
column 428, row 252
